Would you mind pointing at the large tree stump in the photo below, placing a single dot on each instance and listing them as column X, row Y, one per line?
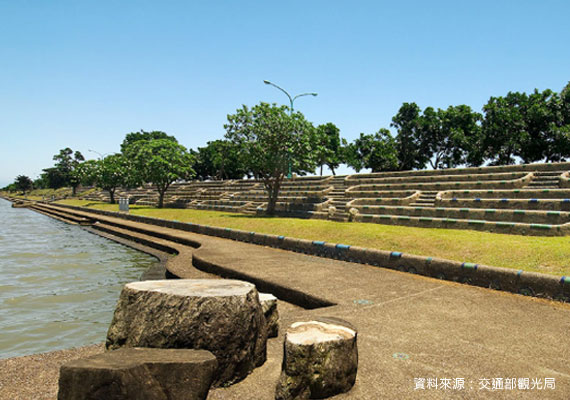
column 320, row 360
column 219, row 315
column 269, row 307
column 139, row 374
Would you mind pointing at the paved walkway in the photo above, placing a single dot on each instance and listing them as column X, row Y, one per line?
column 409, row 326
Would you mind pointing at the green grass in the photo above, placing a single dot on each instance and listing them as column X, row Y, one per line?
column 530, row 253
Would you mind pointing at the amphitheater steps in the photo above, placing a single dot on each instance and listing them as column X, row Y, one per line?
column 544, row 180
column 252, row 208
column 457, row 223
column 426, row 199
column 338, row 199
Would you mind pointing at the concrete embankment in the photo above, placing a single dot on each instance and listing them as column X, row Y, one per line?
column 411, row 327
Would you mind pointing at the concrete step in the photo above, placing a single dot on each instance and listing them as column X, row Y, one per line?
column 554, row 173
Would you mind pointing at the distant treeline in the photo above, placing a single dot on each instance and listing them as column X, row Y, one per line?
column 269, row 141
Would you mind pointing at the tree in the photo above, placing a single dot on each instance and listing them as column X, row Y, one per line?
column 328, row 151
column 159, row 162
column 53, row 178
column 451, row 136
column 220, row 159
column 377, row 152
column 556, row 137
column 133, row 137
column 23, row 183
column 67, row 166
column 271, row 139
column 108, row 173
column 410, row 145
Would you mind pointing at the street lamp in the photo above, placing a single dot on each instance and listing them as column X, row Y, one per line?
column 291, row 100
column 101, row 156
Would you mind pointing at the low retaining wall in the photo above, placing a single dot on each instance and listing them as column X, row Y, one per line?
column 487, row 215
column 507, row 204
column 512, row 228
column 544, row 167
column 526, row 283
column 440, row 186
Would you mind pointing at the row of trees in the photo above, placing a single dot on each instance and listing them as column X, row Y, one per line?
column 519, row 126
column 268, row 141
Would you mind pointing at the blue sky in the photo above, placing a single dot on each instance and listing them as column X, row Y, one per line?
column 82, row 74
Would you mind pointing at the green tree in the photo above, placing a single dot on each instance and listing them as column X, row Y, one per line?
column 108, row 173
column 53, row 178
column 410, row 144
column 133, row 137
column 377, row 152
column 67, row 165
column 556, row 146
column 159, row 162
column 328, row 151
column 451, row 136
column 23, row 183
column 271, row 139
column 220, row 159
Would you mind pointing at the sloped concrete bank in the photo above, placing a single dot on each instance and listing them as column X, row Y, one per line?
column 514, row 281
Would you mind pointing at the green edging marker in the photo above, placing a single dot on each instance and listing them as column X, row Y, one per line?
column 540, row 226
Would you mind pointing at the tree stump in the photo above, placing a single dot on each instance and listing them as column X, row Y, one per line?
column 139, row 374
column 220, row 315
column 269, row 307
column 320, row 360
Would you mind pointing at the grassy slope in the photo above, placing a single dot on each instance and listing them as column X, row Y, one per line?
column 531, row 253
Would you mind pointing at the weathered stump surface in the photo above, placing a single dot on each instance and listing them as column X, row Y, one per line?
column 139, row 374
column 219, row 315
column 269, row 307
column 320, row 360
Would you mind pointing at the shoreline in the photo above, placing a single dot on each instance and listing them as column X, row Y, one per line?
column 35, row 376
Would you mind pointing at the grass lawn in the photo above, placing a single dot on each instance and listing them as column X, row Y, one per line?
column 549, row 255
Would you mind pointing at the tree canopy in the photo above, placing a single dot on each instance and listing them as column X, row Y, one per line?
column 23, row 183
column 108, row 173
column 377, row 152
column 159, row 162
column 271, row 139
column 328, row 150
column 220, row 159
column 133, row 137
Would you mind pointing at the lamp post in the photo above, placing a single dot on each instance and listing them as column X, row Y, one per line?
column 291, row 100
column 101, row 156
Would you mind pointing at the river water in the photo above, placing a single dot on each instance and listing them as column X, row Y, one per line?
column 59, row 284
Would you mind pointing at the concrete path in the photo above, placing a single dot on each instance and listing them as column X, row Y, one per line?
column 411, row 329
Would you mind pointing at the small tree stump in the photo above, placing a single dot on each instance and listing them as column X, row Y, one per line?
column 269, row 307
column 139, row 374
column 220, row 315
column 320, row 359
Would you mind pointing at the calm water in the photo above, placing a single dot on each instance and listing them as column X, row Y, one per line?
column 58, row 283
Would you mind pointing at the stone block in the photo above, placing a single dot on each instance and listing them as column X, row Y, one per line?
column 139, row 374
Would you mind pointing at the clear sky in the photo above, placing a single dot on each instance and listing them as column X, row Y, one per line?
column 82, row 74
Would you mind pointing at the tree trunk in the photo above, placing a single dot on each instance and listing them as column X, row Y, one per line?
column 161, row 198
column 321, row 169
column 320, row 360
column 273, row 192
column 73, row 190
column 223, row 316
column 112, row 195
